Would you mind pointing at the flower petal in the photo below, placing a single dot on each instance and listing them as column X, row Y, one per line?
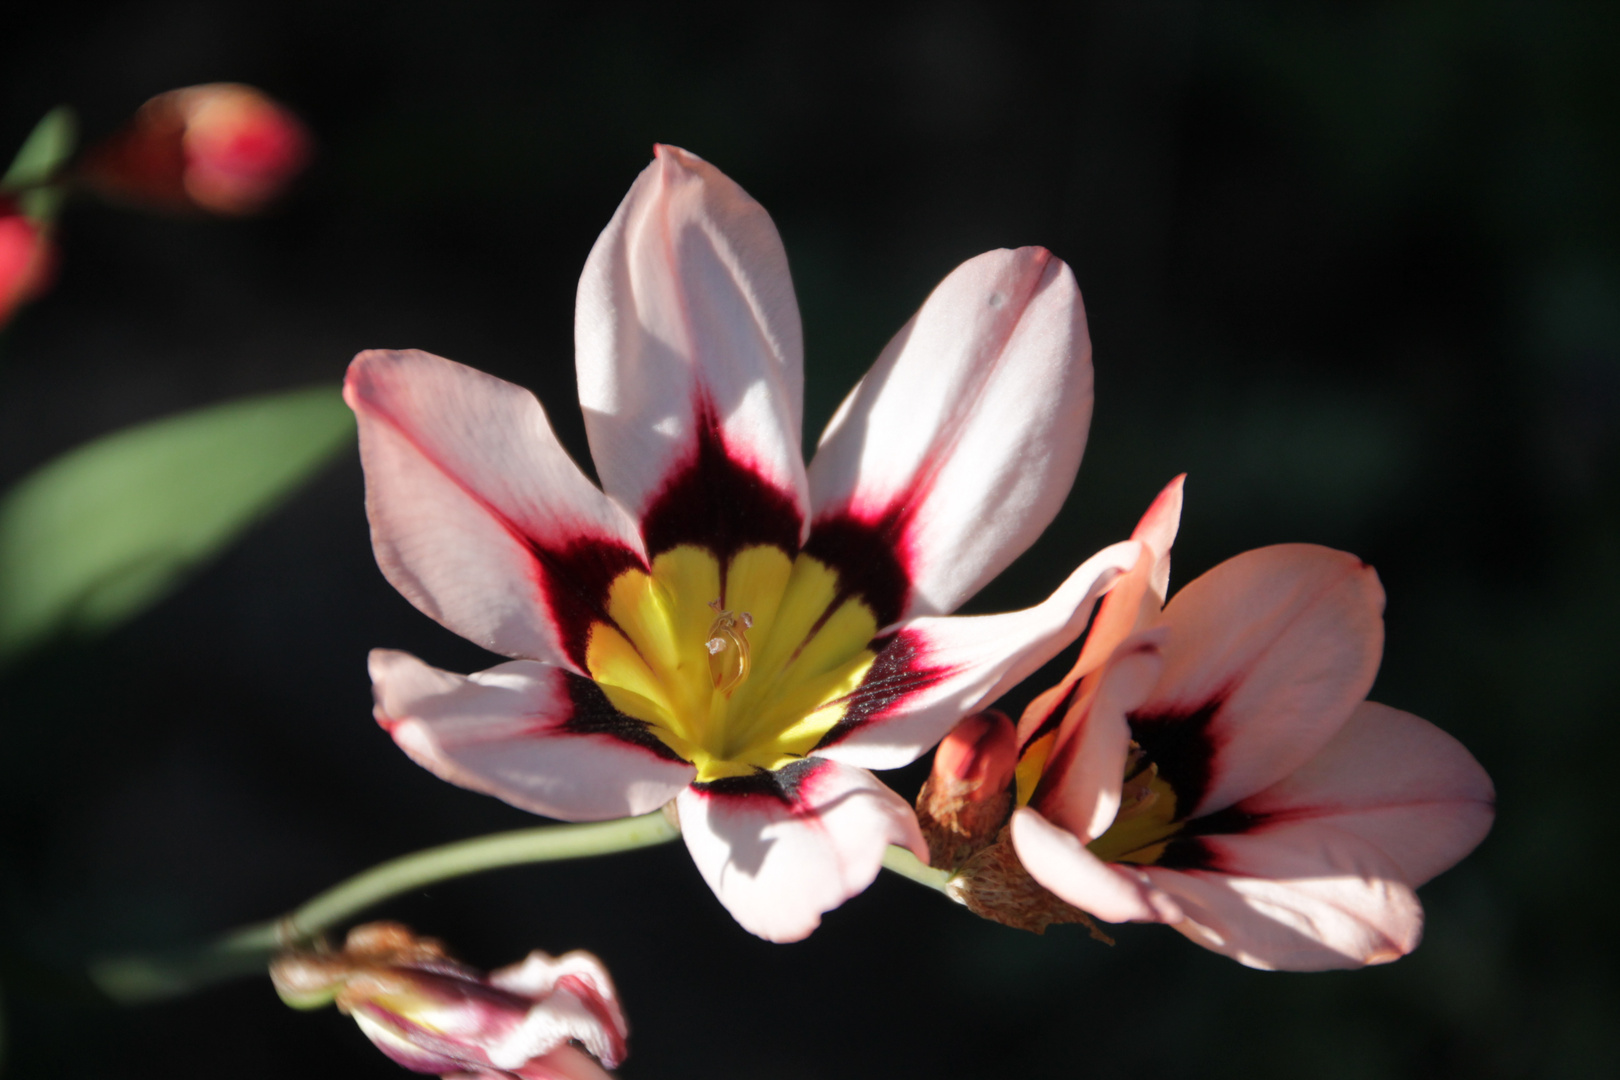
column 1267, row 656
column 690, row 356
column 935, row 670
column 478, row 516
column 538, row 737
column 1080, row 784
column 1396, row 781
column 563, row 1063
column 1058, row 860
column 575, row 1000
column 780, row 848
column 960, row 444
column 1158, row 529
column 581, row 977
column 1296, row 900
column 1132, row 603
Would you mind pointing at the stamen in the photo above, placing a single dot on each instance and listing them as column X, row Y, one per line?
column 728, row 648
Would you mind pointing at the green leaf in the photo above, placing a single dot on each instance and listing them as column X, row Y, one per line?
column 45, row 151
column 106, row 530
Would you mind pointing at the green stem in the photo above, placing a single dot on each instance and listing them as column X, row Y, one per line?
column 907, row 865
column 135, row 979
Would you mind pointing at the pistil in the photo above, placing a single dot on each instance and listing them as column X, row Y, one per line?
column 728, row 648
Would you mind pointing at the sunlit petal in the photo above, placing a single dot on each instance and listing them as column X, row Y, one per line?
column 960, row 444
column 521, row 732
column 779, row 849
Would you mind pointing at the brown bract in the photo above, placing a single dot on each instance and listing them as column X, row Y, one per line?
column 957, row 821
column 994, row 885
column 968, row 794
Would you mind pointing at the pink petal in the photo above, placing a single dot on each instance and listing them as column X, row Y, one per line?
column 1158, row 529
column 688, row 346
column 1394, row 780
column 1080, row 784
column 477, row 513
column 538, row 737
column 575, row 1006
column 1132, row 603
column 584, row 978
column 781, row 848
column 960, row 444
column 1296, row 900
column 1058, row 860
column 935, row 670
column 1267, row 656
column 563, row 1063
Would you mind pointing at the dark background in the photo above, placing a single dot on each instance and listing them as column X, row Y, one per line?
column 1353, row 267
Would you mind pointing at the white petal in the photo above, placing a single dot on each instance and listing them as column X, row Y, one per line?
column 477, row 513
column 518, row 731
column 781, row 848
column 686, row 321
column 939, row 669
column 961, row 443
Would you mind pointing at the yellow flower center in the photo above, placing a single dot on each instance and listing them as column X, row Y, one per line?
column 1147, row 815
column 734, row 670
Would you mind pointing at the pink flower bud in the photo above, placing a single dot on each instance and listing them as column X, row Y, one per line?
column 432, row 1014
column 26, row 258
column 221, row 147
column 968, row 796
column 979, row 754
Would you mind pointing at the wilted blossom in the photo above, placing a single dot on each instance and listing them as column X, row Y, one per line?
column 719, row 624
column 434, row 1015
column 1215, row 766
column 223, row 148
column 25, row 258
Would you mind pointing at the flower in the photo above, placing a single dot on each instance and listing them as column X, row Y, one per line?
column 25, row 258
column 221, row 147
column 1215, row 766
column 434, row 1015
column 718, row 624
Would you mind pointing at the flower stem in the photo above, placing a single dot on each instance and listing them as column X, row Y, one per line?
column 135, row 979
column 907, row 865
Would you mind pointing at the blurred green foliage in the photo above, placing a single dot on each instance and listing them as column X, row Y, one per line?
column 46, row 150
column 97, row 535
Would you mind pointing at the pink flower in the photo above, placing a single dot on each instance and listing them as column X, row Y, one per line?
column 222, row 147
column 1215, row 765
column 25, row 259
column 719, row 624
column 434, row 1015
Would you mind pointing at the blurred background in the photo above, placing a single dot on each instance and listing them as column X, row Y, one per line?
column 1353, row 267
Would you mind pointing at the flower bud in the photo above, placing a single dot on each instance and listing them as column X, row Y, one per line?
column 432, row 1014
column 221, row 147
column 968, row 796
column 25, row 259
